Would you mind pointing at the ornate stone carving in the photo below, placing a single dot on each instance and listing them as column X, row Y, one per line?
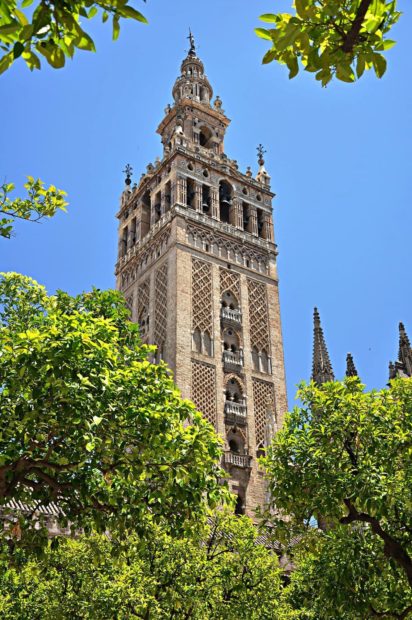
column 230, row 281
column 204, row 389
column 202, row 316
column 258, row 315
column 264, row 403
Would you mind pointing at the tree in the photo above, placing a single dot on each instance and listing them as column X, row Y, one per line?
column 343, row 573
column 331, row 38
column 218, row 572
column 41, row 202
column 53, row 28
column 87, row 422
column 345, row 459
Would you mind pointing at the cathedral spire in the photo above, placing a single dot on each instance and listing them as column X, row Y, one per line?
column 405, row 351
column 350, row 366
column 321, row 368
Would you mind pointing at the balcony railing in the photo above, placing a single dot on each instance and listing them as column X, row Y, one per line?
column 235, row 413
column 238, row 460
column 236, row 408
column 231, row 316
column 233, row 361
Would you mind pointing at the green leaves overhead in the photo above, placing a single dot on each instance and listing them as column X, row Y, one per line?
column 41, row 202
column 331, row 38
column 54, row 29
column 87, row 422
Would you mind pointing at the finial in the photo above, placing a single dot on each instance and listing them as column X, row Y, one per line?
column 350, row 366
column 128, row 171
column 260, row 151
column 249, row 171
column 192, row 51
column 321, row 367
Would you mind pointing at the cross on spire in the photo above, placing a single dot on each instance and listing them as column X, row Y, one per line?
column 192, row 50
column 128, row 171
column 260, row 151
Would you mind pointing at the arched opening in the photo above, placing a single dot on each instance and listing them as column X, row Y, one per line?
column 229, row 301
column 255, row 359
column 197, row 341
column 123, row 246
column 206, row 200
column 168, row 196
column 236, row 441
column 230, row 340
column 264, row 361
column 246, row 217
column 260, row 222
column 205, row 136
column 146, row 208
column 144, row 322
column 234, row 446
column 207, row 344
column 240, row 505
column 191, row 193
column 158, row 207
column 132, row 233
column 234, row 391
column 225, row 201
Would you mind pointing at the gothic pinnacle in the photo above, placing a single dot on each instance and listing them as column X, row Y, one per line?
column 350, row 366
column 321, row 367
column 405, row 350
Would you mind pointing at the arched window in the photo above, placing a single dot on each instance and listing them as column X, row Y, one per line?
column 264, row 361
column 229, row 301
column 168, row 196
column 207, row 344
column 191, row 193
column 197, row 341
column 206, row 200
column 255, row 359
column 225, row 201
column 205, row 136
column 230, row 340
column 146, row 208
column 234, row 391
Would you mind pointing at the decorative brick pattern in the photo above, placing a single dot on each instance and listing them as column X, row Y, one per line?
column 258, row 315
column 204, row 389
column 143, row 296
column 230, row 281
column 129, row 305
column 160, row 329
column 264, row 401
column 202, row 316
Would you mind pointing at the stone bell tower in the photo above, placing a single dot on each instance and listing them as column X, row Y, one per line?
column 197, row 264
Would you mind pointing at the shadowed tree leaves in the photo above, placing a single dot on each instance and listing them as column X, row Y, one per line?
column 331, row 38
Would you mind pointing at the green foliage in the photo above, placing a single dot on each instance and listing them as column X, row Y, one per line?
column 87, row 422
column 346, row 576
column 218, row 572
column 54, row 29
column 40, row 202
column 345, row 458
column 331, row 38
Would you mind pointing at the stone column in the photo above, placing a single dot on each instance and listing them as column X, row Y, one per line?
column 198, row 197
column 253, row 225
column 181, row 191
column 268, row 228
column 236, row 213
column 214, row 196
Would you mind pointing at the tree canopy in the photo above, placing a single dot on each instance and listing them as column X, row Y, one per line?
column 40, row 202
column 54, row 29
column 331, row 38
column 219, row 571
column 88, row 422
column 345, row 459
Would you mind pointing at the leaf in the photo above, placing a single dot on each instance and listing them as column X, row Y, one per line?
column 129, row 11
column 293, row 67
column 84, row 42
column 116, row 28
column 26, row 3
column 6, row 62
column 262, row 33
column 269, row 56
column 21, row 17
column 379, row 64
column 269, row 17
column 18, row 49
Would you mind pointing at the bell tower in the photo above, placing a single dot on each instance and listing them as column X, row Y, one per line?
column 197, row 265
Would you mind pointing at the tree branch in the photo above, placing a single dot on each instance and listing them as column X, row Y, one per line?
column 353, row 34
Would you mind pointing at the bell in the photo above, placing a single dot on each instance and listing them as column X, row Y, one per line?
column 205, row 207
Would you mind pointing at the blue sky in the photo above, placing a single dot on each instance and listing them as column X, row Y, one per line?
column 340, row 161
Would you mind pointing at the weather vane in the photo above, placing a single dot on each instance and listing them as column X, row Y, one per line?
column 260, row 151
column 192, row 43
column 128, row 171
